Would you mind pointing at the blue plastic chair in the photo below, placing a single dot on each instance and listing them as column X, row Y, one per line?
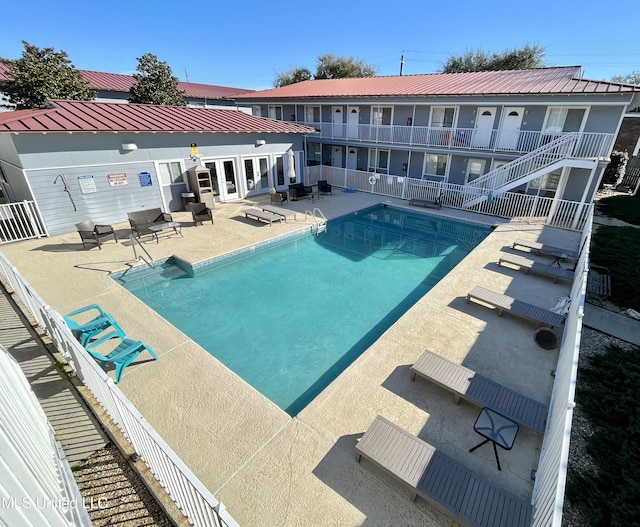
column 84, row 332
column 122, row 355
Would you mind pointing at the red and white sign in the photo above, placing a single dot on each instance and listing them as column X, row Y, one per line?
column 116, row 180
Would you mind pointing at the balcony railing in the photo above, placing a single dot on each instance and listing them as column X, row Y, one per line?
column 518, row 141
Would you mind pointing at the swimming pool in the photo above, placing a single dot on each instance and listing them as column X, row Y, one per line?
column 289, row 316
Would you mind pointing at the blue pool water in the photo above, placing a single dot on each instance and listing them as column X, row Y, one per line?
column 288, row 317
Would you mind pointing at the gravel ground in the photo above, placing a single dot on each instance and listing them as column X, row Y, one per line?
column 113, row 492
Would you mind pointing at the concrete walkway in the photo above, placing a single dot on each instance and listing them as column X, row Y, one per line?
column 605, row 321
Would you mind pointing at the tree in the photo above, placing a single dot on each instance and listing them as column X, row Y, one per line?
column 630, row 78
column 155, row 83
column 295, row 74
column 331, row 66
column 479, row 60
column 43, row 74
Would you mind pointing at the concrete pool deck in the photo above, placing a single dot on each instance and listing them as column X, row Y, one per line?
column 269, row 468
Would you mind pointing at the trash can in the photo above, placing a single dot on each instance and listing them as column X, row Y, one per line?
column 187, row 199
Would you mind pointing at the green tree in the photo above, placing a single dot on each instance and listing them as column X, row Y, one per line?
column 331, row 66
column 512, row 59
column 629, row 78
column 42, row 74
column 155, row 83
column 295, row 74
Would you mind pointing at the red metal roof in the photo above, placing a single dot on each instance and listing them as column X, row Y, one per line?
column 122, row 83
column 565, row 80
column 85, row 116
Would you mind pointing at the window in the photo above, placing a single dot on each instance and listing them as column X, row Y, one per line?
column 435, row 165
column 275, row 112
column 548, row 182
column 314, row 154
column 312, row 114
column 279, row 171
column 475, row 169
column 564, row 119
column 379, row 160
column 442, row 116
column 256, row 110
column 381, row 115
column 170, row 173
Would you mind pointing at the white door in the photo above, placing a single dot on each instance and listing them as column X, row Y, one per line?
column 485, row 118
column 337, row 118
column 353, row 122
column 336, row 156
column 256, row 175
column 224, row 178
column 510, row 128
column 352, row 159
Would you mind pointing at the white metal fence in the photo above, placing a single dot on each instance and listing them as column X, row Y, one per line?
column 20, row 221
column 549, row 488
column 37, row 486
column 512, row 205
column 187, row 491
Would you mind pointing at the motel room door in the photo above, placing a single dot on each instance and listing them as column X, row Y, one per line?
column 509, row 131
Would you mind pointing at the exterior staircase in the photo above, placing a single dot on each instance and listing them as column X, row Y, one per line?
column 532, row 165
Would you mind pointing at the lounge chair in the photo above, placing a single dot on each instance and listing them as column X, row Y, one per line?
column 261, row 215
column 481, row 391
column 440, row 479
column 93, row 234
column 541, row 248
column 122, row 355
column 280, row 211
column 324, row 187
column 516, row 307
column 200, row 213
column 277, row 197
column 552, row 270
column 86, row 331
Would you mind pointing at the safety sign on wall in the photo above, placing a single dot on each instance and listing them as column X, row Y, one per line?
column 117, row 180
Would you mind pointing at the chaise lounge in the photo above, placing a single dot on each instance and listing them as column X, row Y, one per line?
column 554, row 271
column 439, row 479
column 550, row 250
column 479, row 390
column 141, row 220
column 516, row 307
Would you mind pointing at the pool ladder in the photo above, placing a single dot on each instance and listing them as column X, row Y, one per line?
column 149, row 260
column 319, row 220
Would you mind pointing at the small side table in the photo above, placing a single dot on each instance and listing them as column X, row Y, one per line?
column 498, row 429
column 155, row 229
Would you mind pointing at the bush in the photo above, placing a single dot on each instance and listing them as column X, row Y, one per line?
column 614, row 173
column 625, row 208
column 609, row 393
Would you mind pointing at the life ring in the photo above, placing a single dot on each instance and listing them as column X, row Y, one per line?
column 372, row 180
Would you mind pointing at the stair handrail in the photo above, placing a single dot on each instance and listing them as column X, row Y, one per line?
column 559, row 148
column 137, row 257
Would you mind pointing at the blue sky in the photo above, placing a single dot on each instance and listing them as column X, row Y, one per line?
column 245, row 44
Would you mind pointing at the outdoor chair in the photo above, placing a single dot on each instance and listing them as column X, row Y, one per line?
column 94, row 234
column 324, row 187
column 200, row 213
column 277, row 197
column 122, row 355
column 85, row 331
